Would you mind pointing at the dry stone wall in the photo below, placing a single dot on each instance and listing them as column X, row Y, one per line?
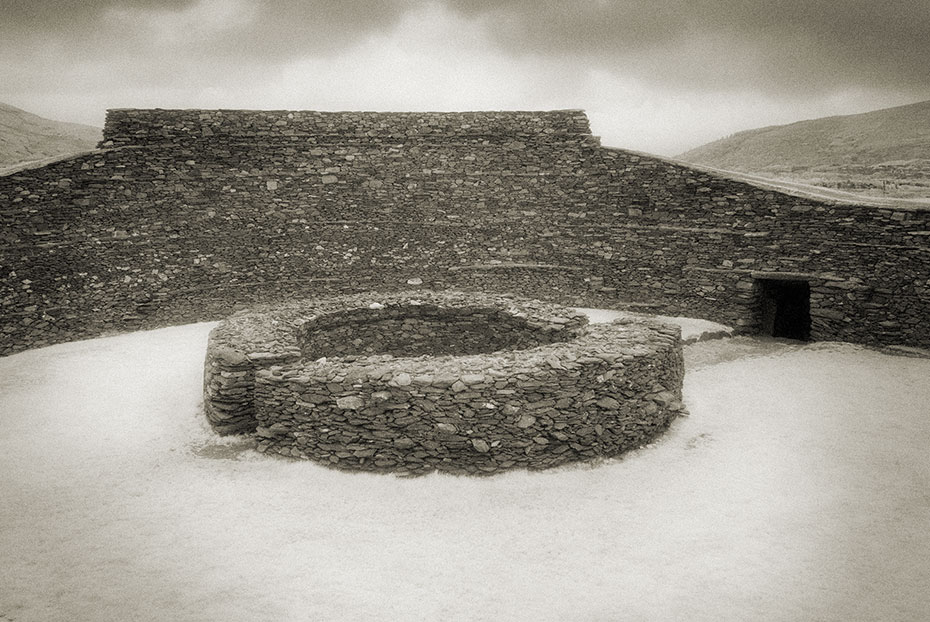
column 187, row 215
column 694, row 240
column 561, row 392
column 129, row 127
column 271, row 335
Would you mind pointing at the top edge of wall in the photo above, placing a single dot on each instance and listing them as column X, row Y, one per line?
column 140, row 126
column 336, row 112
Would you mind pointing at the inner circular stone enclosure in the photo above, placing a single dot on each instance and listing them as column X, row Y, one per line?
column 408, row 330
column 422, row 381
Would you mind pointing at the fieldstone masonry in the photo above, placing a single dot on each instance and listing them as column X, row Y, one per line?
column 183, row 215
column 513, row 383
column 347, row 327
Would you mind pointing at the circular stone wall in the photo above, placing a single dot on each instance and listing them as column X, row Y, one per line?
column 466, row 383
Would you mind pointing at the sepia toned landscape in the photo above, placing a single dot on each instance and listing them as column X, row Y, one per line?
column 453, row 310
column 880, row 156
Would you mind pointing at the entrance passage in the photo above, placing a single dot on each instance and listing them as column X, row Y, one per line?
column 786, row 309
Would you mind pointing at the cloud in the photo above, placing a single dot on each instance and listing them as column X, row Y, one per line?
column 775, row 45
column 143, row 50
column 431, row 60
column 51, row 15
column 270, row 29
column 657, row 75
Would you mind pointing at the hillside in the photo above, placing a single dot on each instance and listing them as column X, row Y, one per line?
column 883, row 152
column 25, row 137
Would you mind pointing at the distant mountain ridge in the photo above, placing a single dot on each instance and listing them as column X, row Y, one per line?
column 880, row 152
column 25, row 137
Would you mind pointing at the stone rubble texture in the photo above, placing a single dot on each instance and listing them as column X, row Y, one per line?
column 531, row 385
column 187, row 215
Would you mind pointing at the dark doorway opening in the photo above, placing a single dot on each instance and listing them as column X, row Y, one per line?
column 786, row 309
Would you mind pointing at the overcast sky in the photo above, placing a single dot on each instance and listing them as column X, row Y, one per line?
column 659, row 76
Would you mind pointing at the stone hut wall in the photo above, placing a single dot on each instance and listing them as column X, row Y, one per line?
column 573, row 401
column 280, row 334
column 186, row 214
column 534, row 388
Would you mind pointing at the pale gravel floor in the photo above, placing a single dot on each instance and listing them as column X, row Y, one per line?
column 692, row 329
column 798, row 489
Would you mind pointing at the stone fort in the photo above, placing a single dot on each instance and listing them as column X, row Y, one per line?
column 186, row 215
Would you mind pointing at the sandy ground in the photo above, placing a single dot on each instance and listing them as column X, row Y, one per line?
column 692, row 329
column 798, row 489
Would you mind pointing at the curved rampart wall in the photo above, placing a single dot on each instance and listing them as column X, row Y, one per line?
column 694, row 240
column 188, row 214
